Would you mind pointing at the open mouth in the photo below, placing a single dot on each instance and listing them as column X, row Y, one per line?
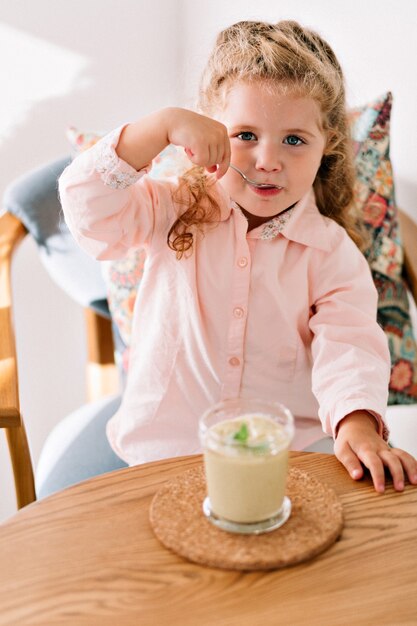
column 266, row 190
column 265, row 186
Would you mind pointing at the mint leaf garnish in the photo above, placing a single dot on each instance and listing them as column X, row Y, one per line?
column 242, row 434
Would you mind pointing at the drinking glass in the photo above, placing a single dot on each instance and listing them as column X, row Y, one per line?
column 245, row 443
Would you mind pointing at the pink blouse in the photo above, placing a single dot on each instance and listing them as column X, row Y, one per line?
column 285, row 312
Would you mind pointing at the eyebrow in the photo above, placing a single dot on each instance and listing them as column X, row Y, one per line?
column 287, row 131
column 300, row 131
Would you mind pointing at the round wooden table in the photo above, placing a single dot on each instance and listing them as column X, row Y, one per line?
column 87, row 555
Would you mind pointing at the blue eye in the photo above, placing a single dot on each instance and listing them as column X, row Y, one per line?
column 293, row 140
column 246, row 136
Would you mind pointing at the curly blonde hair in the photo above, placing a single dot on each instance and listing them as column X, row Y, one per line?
column 298, row 61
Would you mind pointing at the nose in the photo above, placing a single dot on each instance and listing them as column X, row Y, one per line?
column 268, row 158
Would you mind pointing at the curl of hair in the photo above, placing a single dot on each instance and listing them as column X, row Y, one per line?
column 293, row 60
column 202, row 208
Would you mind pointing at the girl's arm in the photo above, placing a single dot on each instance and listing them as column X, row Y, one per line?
column 205, row 140
column 106, row 211
column 351, row 366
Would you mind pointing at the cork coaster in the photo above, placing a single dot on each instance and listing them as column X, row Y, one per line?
column 178, row 521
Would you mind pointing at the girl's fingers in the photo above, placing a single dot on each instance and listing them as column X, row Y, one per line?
column 408, row 462
column 213, row 165
column 356, row 445
column 374, row 464
column 218, row 164
column 205, row 156
column 349, row 459
column 222, row 169
column 353, row 464
column 212, row 156
column 211, row 151
column 216, row 156
column 225, row 161
column 396, row 461
column 395, row 467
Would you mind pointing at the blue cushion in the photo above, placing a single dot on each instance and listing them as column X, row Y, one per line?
column 33, row 198
column 77, row 448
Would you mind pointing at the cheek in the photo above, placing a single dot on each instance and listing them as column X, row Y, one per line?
column 310, row 166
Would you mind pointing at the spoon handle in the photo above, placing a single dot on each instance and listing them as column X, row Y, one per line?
column 250, row 181
column 238, row 171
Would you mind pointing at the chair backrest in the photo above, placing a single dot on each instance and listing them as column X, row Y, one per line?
column 11, row 232
column 409, row 238
column 32, row 206
column 102, row 376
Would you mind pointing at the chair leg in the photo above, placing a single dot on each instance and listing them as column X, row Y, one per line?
column 22, row 465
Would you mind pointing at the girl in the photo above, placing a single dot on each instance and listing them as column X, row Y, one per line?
column 248, row 290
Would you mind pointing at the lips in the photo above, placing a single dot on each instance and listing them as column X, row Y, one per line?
column 266, row 192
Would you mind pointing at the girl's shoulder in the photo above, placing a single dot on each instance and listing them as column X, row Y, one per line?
column 313, row 229
column 335, row 232
column 342, row 261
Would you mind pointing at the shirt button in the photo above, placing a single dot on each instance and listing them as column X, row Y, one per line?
column 238, row 312
column 234, row 361
column 242, row 262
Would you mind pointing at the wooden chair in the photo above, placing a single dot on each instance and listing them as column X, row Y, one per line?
column 409, row 236
column 102, row 376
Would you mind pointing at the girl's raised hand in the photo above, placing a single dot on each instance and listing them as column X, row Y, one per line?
column 205, row 140
column 358, row 443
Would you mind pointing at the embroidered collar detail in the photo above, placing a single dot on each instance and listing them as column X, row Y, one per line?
column 275, row 225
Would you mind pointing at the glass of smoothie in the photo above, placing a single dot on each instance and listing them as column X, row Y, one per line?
column 245, row 444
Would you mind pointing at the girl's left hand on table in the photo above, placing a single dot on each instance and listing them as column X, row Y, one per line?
column 358, row 442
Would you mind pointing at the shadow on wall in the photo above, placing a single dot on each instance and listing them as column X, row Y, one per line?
column 124, row 48
column 127, row 47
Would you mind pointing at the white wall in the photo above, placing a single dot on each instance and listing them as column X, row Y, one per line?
column 97, row 63
column 92, row 64
column 375, row 41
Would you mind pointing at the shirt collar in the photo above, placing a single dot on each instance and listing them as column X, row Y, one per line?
column 307, row 225
column 303, row 223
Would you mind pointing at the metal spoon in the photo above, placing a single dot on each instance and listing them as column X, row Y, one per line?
column 252, row 182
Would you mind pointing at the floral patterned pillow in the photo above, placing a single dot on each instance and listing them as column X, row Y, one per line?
column 375, row 199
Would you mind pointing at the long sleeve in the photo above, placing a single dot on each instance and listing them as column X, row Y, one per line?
column 351, row 362
column 109, row 206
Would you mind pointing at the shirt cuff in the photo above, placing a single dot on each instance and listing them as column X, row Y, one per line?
column 382, row 427
column 114, row 171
